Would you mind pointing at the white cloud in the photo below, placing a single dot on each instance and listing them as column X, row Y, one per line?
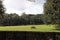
column 20, row 6
column 34, row 8
column 15, row 4
column 14, row 11
column 38, row 1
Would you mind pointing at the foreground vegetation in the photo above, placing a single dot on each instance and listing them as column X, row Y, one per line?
column 38, row 28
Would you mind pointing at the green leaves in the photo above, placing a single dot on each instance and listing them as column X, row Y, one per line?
column 2, row 9
column 52, row 11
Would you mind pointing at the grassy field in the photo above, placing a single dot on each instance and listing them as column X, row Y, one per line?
column 39, row 28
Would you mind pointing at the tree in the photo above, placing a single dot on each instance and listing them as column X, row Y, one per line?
column 52, row 11
column 2, row 11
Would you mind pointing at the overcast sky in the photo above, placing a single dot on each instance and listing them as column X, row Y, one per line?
column 20, row 6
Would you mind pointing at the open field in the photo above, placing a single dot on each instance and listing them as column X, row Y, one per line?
column 39, row 28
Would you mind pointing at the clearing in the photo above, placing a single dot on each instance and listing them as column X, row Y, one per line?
column 38, row 28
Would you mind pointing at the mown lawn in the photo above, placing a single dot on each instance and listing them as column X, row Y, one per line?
column 38, row 28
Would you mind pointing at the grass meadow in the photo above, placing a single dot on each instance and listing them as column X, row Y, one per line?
column 38, row 28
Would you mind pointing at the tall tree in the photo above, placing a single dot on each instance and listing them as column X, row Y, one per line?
column 52, row 11
column 2, row 9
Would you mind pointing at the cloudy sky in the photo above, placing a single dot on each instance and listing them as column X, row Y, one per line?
column 20, row 6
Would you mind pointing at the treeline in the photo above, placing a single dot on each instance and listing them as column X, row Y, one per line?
column 24, row 19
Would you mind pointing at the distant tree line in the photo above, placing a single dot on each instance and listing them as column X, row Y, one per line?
column 24, row 19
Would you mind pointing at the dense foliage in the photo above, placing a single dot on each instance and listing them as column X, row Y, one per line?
column 2, row 9
column 52, row 11
column 24, row 19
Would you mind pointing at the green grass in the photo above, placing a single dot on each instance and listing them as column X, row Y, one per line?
column 39, row 28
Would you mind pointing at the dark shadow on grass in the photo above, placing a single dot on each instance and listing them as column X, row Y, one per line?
column 56, row 29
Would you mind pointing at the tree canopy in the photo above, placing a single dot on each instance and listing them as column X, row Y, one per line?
column 2, row 9
column 52, row 11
